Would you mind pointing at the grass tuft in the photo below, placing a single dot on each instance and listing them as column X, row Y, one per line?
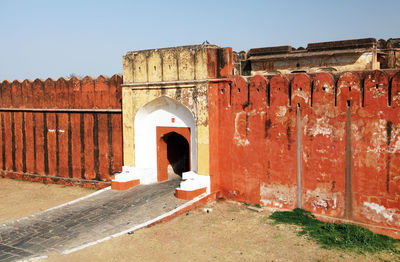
column 335, row 235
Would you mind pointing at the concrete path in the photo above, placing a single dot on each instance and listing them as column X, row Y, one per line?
column 104, row 214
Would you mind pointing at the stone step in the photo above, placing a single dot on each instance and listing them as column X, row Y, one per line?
column 192, row 186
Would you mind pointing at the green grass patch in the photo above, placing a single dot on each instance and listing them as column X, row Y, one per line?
column 335, row 235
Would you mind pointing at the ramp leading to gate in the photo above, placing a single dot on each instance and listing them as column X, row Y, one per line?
column 91, row 220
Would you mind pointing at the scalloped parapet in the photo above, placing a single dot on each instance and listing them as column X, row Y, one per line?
column 182, row 63
column 73, row 93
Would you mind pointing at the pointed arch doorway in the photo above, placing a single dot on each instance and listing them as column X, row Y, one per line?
column 173, row 152
column 164, row 139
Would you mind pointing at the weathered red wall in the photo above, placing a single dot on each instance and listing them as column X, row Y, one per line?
column 66, row 131
column 349, row 164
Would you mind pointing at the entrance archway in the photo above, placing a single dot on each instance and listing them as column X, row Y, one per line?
column 172, row 117
column 173, row 152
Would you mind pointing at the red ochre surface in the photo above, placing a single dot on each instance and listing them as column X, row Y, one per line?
column 254, row 144
column 78, row 148
column 162, row 160
column 189, row 195
column 348, row 141
column 124, row 185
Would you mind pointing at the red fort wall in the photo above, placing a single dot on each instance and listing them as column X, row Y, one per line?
column 327, row 143
column 66, row 131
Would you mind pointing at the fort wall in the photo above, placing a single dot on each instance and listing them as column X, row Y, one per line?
column 327, row 143
column 67, row 131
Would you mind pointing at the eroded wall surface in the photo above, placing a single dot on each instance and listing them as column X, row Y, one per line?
column 332, row 56
column 67, row 131
column 326, row 143
column 180, row 73
column 311, row 64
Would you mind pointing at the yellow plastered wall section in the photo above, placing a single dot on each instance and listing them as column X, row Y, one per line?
column 127, row 126
column 180, row 73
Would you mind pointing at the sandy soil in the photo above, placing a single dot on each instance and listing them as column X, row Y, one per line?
column 21, row 198
column 231, row 232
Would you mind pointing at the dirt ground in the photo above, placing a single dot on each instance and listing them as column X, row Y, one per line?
column 230, row 232
column 20, row 198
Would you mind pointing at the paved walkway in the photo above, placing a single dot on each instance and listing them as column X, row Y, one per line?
column 88, row 220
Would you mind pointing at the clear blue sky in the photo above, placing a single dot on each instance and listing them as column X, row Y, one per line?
column 40, row 39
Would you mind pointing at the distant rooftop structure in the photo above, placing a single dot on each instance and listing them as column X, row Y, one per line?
column 356, row 54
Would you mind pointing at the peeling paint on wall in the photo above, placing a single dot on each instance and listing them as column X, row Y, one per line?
column 321, row 127
column 262, row 146
column 380, row 214
column 324, row 201
column 276, row 195
column 240, row 129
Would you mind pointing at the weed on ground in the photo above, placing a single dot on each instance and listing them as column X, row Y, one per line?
column 335, row 235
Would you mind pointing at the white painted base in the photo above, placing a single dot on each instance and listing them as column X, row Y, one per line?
column 130, row 173
column 193, row 181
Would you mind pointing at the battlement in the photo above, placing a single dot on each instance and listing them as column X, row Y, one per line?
column 195, row 62
column 328, row 143
column 376, row 89
column 65, row 131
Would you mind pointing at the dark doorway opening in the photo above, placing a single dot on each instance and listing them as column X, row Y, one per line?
column 177, row 152
column 173, row 152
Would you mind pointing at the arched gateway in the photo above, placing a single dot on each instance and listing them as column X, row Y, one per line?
column 164, row 132
column 165, row 109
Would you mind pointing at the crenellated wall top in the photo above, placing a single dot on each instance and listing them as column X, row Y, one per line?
column 176, row 64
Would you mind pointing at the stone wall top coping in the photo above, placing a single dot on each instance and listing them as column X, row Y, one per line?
column 172, row 48
column 296, row 54
column 169, row 83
